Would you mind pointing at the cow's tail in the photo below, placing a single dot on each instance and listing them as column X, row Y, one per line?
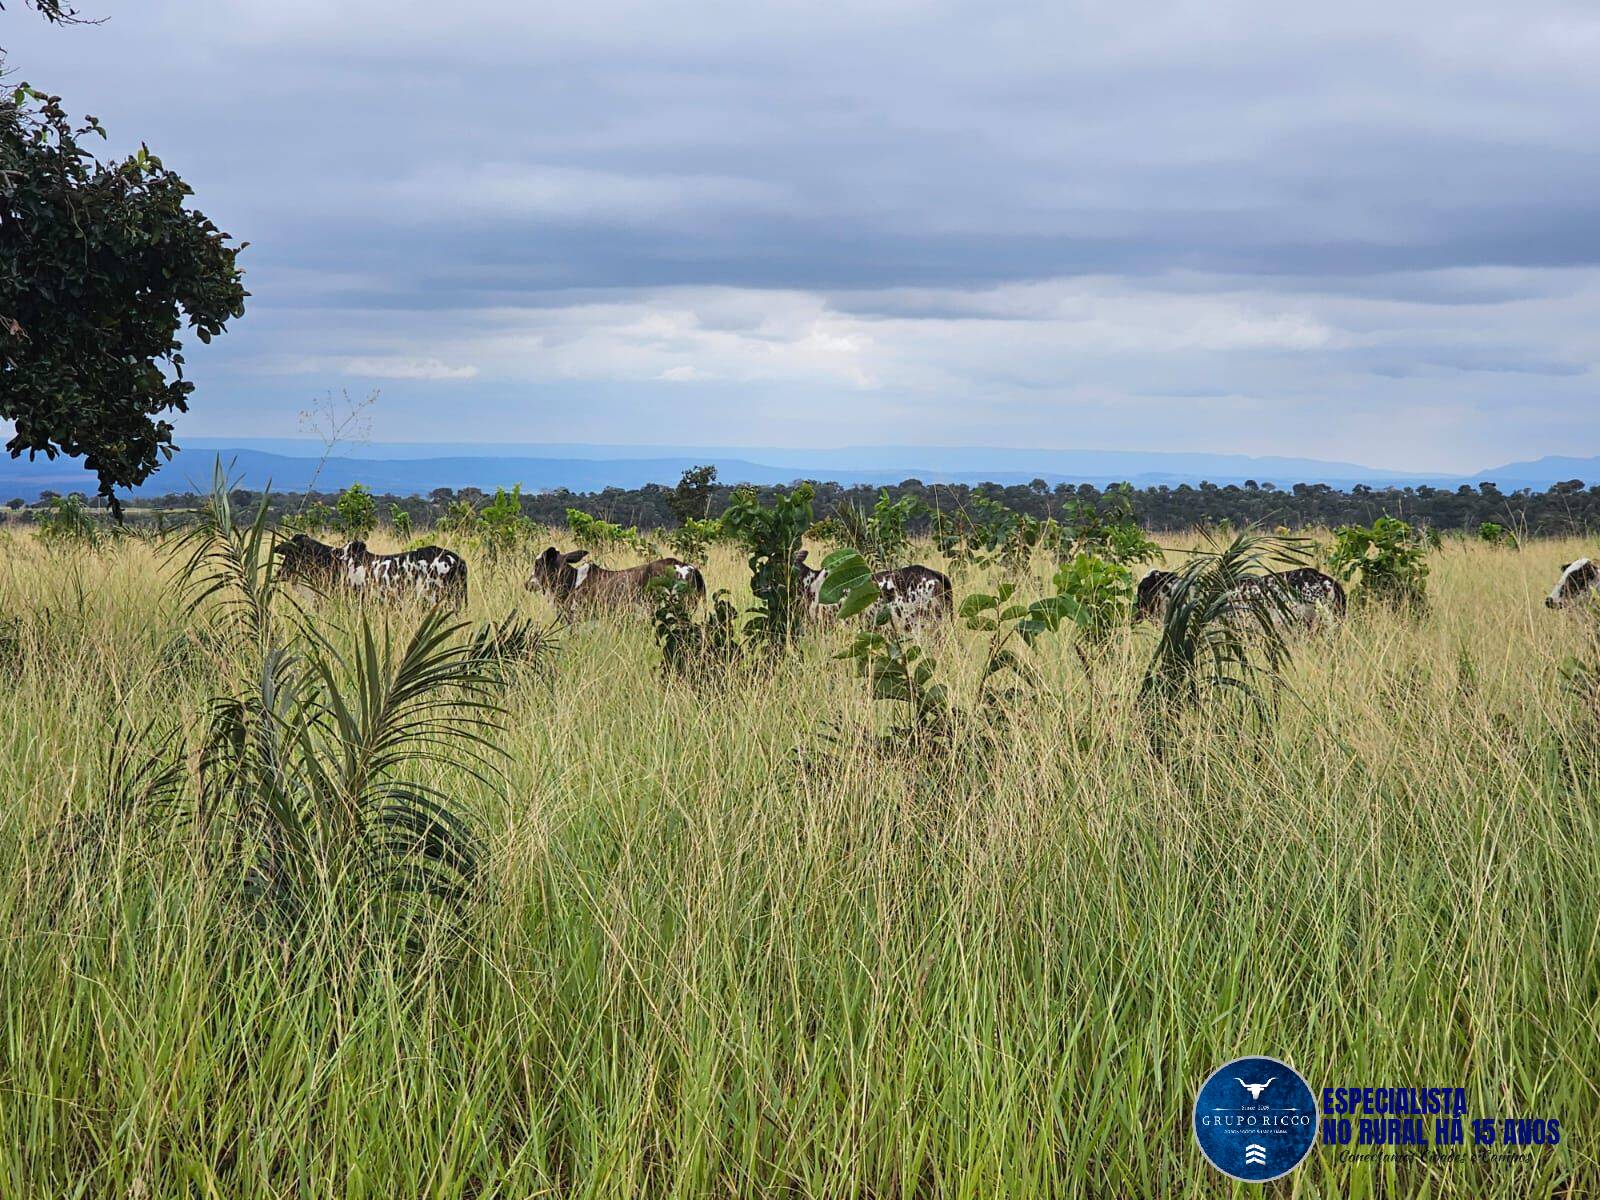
column 458, row 584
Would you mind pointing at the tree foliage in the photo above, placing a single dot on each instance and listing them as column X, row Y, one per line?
column 771, row 536
column 1390, row 558
column 691, row 499
column 101, row 265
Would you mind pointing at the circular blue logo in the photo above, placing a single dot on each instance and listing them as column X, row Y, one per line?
column 1255, row 1119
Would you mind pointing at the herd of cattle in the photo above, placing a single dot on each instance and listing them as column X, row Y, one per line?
column 913, row 594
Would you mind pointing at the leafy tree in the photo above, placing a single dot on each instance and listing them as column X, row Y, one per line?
column 57, row 11
column 691, row 499
column 101, row 264
column 400, row 519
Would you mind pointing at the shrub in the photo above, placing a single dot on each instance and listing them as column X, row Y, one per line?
column 309, row 771
column 692, row 539
column 499, row 526
column 400, row 521
column 881, row 536
column 772, row 537
column 460, row 519
column 1107, row 529
column 515, row 644
column 1496, row 535
column 357, row 512
column 67, row 522
column 1101, row 592
column 598, row 536
column 986, row 532
column 691, row 649
column 1389, row 556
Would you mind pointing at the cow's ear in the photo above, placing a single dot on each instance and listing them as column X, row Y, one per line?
column 800, row 556
column 573, row 556
column 356, row 548
column 1564, row 566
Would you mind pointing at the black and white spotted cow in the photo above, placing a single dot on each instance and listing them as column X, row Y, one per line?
column 431, row 573
column 914, row 594
column 1577, row 580
column 1307, row 593
column 567, row 579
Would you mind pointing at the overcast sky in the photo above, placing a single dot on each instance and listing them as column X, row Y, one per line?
column 1361, row 231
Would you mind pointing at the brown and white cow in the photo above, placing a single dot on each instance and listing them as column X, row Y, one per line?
column 1307, row 593
column 1577, row 580
column 913, row 594
column 567, row 579
column 430, row 573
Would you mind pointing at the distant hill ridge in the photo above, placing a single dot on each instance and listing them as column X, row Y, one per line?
column 293, row 465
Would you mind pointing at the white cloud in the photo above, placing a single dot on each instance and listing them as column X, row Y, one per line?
column 392, row 367
column 1363, row 231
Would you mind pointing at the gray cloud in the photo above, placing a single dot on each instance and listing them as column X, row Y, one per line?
column 1204, row 223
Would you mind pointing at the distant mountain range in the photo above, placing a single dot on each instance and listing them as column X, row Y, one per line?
column 293, row 465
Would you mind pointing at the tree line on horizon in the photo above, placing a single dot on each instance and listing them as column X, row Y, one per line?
column 1566, row 508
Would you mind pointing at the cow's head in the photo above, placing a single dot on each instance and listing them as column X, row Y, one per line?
column 802, row 573
column 1576, row 579
column 555, row 573
column 303, row 556
column 1153, row 589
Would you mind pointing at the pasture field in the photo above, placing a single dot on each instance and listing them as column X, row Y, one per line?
column 699, row 964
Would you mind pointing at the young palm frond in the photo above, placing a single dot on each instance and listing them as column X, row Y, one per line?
column 320, row 768
column 230, row 561
column 516, row 642
column 1224, row 623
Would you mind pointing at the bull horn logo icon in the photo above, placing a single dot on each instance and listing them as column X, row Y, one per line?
column 1255, row 1089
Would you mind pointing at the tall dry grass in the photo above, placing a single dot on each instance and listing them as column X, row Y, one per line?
column 703, row 964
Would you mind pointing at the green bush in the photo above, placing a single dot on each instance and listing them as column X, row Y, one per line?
column 692, row 539
column 67, row 522
column 772, row 537
column 1496, row 535
column 598, row 536
column 881, row 536
column 357, row 512
column 1101, row 592
column 1390, row 558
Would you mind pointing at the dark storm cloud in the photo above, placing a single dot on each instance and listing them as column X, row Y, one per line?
column 1319, row 176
